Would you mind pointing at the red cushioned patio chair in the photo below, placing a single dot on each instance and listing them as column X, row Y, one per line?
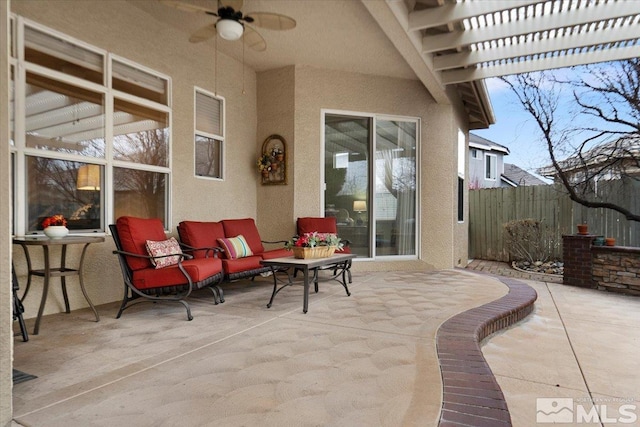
column 175, row 274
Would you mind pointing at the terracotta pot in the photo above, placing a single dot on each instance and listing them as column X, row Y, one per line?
column 610, row 241
column 583, row 229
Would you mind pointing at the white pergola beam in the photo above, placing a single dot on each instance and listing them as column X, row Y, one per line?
column 615, row 54
column 435, row 17
column 594, row 13
column 572, row 41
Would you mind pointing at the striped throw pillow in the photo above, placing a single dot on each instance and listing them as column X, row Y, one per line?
column 235, row 247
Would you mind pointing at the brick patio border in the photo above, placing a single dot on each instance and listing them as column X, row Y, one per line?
column 471, row 394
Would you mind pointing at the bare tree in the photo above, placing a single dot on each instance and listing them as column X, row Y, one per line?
column 601, row 138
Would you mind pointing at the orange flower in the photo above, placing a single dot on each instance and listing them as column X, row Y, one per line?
column 54, row 220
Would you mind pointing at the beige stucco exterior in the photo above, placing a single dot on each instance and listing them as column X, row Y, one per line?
column 287, row 101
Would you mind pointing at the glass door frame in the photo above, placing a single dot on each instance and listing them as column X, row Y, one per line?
column 372, row 174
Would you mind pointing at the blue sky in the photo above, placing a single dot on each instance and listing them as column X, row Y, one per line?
column 514, row 129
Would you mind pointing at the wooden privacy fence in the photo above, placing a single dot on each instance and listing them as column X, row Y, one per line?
column 491, row 208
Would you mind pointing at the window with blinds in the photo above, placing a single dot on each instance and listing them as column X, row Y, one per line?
column 209, row 135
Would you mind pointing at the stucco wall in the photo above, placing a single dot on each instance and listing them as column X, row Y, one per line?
column 276, row 115
column 6, row 325
column 127, row 31
column 317, row 89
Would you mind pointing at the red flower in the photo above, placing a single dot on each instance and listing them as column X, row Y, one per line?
column 54, row 220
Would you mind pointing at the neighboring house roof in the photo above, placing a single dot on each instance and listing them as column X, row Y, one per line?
column 481, row 143
column 515, row 176
column 605, row 159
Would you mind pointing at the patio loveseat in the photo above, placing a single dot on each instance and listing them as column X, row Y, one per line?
column 236, row 241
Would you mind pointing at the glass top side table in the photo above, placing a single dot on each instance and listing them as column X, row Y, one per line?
column 62, row 271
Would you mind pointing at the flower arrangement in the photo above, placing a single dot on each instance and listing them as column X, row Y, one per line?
column 312, row 240
column 55, row 220
column 264, row 163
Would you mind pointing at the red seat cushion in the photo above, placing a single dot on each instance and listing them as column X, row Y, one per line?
column 239, row 265
column 134, row 233
column 199, row 234
column 276, row 253
column 246, row 227
column 310, row 224
column 197, row 269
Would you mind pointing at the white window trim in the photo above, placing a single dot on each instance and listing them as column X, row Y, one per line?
column 21, row 67
column 220, row 138
column 495, row 177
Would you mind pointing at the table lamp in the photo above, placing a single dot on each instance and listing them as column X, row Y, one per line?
column 359, row 206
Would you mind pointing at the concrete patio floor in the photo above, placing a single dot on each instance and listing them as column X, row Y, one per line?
column 365, row 360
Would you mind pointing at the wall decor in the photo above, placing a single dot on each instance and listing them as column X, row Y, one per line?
column 272, row 163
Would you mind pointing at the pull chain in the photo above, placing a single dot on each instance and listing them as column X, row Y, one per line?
column 243, row 91
column 215, row 67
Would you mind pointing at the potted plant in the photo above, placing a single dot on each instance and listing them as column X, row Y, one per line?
column 583, row 228
column 55, row 227
column 314, row 245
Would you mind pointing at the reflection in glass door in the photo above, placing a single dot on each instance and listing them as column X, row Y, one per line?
column 375, row 203
column 395, row 189
column 347, row 176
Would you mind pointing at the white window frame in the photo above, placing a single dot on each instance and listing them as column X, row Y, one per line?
column 217, row 137
column 21, row 67
column 492, row 174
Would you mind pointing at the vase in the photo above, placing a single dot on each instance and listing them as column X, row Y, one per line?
column 583, row 229
column 56, row 231
column 610, row 241
column 316, row 252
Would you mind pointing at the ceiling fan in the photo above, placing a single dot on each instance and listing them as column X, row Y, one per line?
column 232, row 24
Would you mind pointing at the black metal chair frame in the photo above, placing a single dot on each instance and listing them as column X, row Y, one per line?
column 18, row 308
column 176, row 293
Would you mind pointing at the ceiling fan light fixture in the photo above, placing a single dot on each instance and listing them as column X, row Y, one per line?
column 229, row 29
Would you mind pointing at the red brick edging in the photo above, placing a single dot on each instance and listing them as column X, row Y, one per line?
column 471, row 394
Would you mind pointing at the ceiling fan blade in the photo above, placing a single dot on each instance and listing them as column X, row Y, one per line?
column 204, row 33
column 235, row 4
column 253, row 39
column 271, row 21
column 188, row 7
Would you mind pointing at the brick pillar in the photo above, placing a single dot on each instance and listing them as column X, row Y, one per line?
column 576, row 253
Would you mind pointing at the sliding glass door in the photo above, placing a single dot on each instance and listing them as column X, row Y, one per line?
column 347, row 178
column 373, row 197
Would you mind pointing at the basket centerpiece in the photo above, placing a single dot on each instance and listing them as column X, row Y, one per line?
column 314, row 245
